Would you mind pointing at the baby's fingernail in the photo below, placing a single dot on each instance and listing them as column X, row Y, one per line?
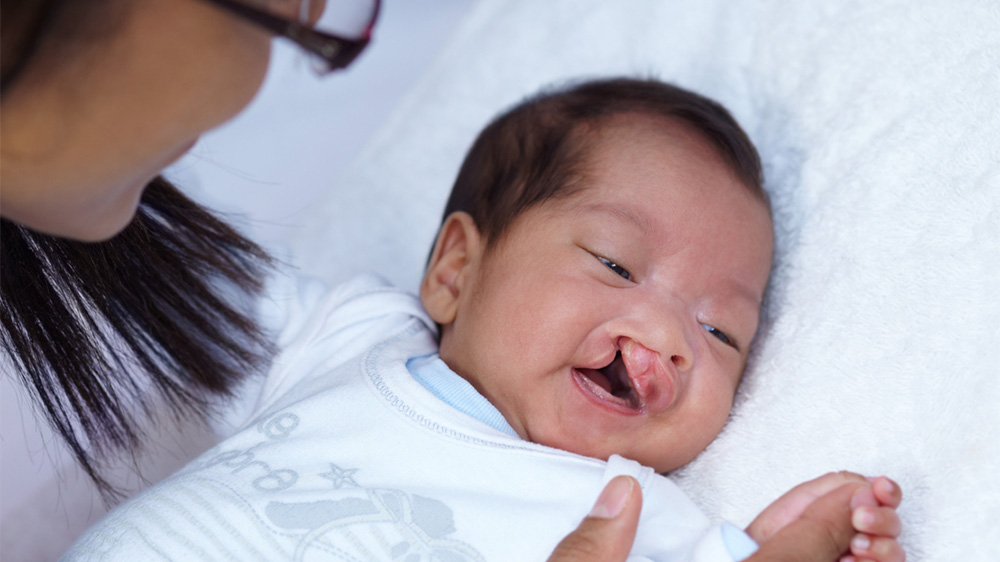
column 862, row 519
column 887, row 485
column 860, row 543
column 613, row 498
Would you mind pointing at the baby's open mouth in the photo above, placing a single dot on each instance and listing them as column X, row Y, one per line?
column 612, row 383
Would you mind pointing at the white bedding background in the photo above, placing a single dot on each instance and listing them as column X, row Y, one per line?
column 879, row 126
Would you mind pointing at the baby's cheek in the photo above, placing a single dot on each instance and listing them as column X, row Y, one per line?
column 710, row 416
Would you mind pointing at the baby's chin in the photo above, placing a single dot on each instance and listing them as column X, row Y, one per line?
column 660, row 463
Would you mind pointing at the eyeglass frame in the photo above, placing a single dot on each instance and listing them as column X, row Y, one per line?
column 335, row 51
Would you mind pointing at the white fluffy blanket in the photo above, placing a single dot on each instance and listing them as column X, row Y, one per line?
column 879, row 125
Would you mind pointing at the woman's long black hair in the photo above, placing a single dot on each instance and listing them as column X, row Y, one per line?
column 104, row 334
column 101, row 333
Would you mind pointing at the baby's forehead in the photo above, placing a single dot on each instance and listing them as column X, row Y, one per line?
column 634, row 129
column 606, row 137
column 653, row 173
column 603, row 142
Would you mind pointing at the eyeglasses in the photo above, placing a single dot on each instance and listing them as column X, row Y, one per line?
column 330, row 50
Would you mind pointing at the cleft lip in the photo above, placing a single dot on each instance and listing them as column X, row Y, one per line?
column 635, row 381
column 585, row 379
column 621, row 383
column 653, row 380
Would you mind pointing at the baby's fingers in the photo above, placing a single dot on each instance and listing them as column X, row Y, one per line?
column 883, row 521
column 887, row 491
column 880, row 549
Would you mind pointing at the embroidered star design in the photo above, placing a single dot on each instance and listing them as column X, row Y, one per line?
column 340, row 477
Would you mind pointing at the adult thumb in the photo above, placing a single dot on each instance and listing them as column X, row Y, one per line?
column 607, row 533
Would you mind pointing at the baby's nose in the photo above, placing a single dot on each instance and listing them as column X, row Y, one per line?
column 681, row 360
column 664, row 327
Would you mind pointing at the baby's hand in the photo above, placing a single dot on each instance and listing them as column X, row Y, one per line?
column 873, row 515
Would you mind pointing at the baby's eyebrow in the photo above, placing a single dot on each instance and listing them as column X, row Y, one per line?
column 744, row 292
column 620, row 212
column 744, row 305
column 746, row 301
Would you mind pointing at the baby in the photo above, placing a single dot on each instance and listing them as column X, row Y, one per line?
column 589, row 302
column 599, row 274
column 600, row 270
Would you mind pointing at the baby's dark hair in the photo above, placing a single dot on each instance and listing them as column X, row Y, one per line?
column 535, row 151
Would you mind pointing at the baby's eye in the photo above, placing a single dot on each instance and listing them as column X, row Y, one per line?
column 720, row 334
column 621, row 271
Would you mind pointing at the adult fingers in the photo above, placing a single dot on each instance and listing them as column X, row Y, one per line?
column 790, row 505
column 821, row 534
column 608, row 532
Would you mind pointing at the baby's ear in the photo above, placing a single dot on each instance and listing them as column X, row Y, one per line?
column 456, row 250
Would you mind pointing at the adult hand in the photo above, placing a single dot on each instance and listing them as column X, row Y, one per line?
column 607, row 533
column 793, row 503
column 822, row 533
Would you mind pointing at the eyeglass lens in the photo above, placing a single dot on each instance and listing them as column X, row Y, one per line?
column 349, row 19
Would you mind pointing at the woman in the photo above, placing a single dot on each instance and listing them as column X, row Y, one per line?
column 117, row 291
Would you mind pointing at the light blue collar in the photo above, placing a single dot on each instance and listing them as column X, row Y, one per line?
column 431, row 372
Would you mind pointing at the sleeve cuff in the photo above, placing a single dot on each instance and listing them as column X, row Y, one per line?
column 723, row 543
column 738, row 543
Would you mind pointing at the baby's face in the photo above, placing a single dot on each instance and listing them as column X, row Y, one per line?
column 617, row 320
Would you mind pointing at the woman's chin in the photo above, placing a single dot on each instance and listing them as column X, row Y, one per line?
column 100, row 224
